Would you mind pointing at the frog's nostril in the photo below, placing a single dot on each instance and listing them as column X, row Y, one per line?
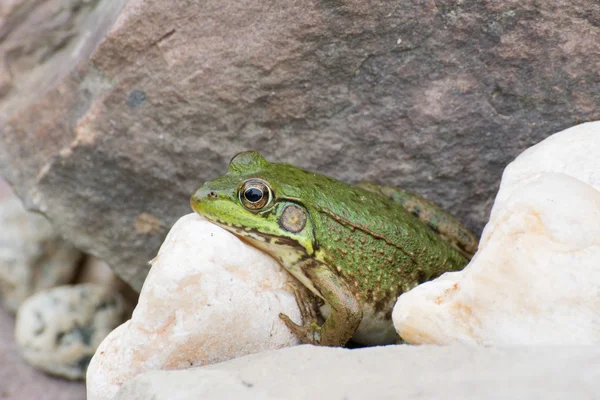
column 202, row 194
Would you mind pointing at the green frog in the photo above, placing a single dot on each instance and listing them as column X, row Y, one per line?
column 355, row 247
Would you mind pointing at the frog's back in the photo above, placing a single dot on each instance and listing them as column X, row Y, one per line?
column 380, row 246
column 376, row 244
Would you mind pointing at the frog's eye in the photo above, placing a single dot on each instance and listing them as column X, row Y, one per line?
column 255, row 194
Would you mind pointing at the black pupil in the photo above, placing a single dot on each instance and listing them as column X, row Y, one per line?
column 253, row 195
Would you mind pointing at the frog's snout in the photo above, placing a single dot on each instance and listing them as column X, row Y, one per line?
column 205, row 193
column 202, row 195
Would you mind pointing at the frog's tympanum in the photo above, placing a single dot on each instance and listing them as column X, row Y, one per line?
column 356, row 248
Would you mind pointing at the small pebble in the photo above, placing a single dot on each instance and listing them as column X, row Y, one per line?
column 59, row 329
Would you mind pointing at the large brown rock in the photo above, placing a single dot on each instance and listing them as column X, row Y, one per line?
column 114, row 112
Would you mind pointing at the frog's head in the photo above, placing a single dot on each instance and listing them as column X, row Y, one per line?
column 251, row 201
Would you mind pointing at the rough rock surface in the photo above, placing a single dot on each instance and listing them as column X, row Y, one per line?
column 20, row 381
column 391, row 372
column 209, row 297
column 535, row 278
column 436, row 96
column 58, row 330
column 33, row 256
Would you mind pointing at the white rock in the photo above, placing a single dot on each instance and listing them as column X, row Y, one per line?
column 536, row 276
column 32, row 256
column 209, row 297
column 390, row 372
column 59, row 329
column 574, row 152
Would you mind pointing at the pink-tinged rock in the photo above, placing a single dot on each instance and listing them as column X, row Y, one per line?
column 536, row 276
column 209, row 297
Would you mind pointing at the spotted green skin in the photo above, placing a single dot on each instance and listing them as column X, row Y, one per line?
column 359, row 248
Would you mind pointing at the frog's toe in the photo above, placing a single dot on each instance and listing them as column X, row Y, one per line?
column 309, row 332
column 306, row 304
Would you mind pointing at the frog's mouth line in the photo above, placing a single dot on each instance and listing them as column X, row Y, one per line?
column 255, row 234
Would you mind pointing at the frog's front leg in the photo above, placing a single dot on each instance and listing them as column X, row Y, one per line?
column 345, row 315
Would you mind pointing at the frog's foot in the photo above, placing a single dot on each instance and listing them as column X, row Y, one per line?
column 310, row 331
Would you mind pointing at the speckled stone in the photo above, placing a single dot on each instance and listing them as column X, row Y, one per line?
column 33, row 256
column 59, row 329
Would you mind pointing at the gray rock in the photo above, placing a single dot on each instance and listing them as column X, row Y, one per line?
column 33, row 256
column 58, row 330
column 392, row 372
column 435, row 96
